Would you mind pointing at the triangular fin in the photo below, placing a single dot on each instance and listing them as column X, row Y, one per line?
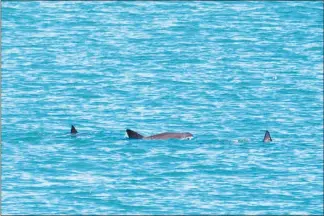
column 73, row 130
column 133, row 135
column 267, row 137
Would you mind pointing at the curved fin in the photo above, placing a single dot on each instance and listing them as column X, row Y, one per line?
column 73, row 130
column 267, row 137
column 133, row 135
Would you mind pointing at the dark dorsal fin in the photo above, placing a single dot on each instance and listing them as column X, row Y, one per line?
column 267, row 137
column 73, row 130
column 133, row 135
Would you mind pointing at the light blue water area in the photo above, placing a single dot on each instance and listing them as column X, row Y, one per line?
column 224, row 71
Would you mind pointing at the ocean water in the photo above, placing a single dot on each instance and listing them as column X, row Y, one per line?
column 224, row 71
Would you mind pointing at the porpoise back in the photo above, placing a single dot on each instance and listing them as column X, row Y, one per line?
column 267, row 137
column 73, row 130
column 163, row 136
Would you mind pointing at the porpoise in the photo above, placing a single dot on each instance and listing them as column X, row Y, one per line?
column 162, row 136
column 73, row 130
column 267, row 137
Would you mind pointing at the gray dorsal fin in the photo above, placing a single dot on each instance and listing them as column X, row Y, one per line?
column 133, row 135
column 267, row 137
column 73, row 130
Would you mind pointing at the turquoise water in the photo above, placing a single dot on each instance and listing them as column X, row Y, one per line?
column 224, row 71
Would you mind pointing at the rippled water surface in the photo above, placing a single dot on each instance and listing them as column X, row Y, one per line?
column 224, row 71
